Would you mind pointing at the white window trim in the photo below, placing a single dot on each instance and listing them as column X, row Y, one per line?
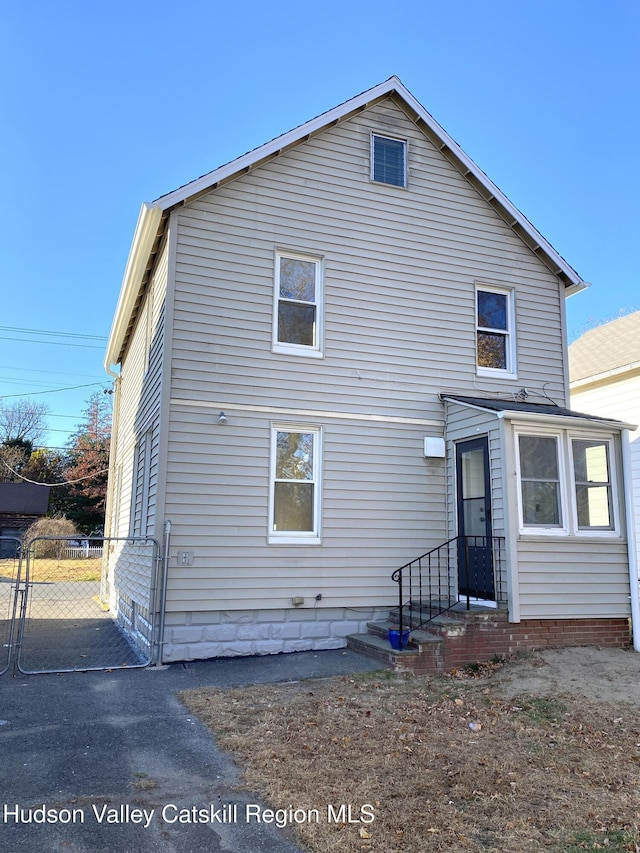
column 511, row 370
column 405, row 142
column 315, row 351
column 536, row 529
column 313, row 537
column 613, row 486
column 568, row 507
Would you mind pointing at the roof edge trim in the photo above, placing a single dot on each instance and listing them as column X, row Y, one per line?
column 573, row 283
column 143, row 239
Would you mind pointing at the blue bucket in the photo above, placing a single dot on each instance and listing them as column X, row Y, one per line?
column 398, row 639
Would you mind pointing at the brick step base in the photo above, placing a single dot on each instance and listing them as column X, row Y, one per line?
column 453, row 640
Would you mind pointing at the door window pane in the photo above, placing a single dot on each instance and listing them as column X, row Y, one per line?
column 473, row 473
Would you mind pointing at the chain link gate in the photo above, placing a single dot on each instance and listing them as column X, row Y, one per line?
column 86, row 604
column 10, row 570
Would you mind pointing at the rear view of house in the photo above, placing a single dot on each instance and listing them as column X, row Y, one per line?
column 334, row 355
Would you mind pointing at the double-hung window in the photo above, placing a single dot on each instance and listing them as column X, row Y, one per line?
column 540, row 481
column 295, row 484
column 566, row 484
column 495, row 338
column 297, row 305
column 388, row 160
column 592, row 478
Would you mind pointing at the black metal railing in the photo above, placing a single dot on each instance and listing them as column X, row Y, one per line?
column 460, row 569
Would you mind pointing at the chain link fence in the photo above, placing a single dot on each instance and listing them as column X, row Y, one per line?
column 88, row 607
column 10, row 565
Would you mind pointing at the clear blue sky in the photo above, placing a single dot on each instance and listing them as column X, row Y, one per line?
column 107, row 105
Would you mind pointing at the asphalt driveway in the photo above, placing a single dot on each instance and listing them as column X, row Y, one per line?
column 111, row 761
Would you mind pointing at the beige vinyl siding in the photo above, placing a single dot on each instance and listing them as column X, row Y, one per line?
column 617, row 397
column 140, row 384
column 382, row 505
column 573, row 578
column 463, row 424
column 400, row 268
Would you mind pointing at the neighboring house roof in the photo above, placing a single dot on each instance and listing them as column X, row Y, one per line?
column 530, row 411
column 152, row 219
column 24, row 498
column 611, row 348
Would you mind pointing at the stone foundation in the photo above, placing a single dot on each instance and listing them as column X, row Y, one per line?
column 238, row 633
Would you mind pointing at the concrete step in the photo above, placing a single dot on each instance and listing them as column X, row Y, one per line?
column 458, row 613
column 423, row 655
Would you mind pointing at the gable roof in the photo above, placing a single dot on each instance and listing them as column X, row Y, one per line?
column 153, row 217
column 611, row 348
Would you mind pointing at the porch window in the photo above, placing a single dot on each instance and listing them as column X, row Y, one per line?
column 495, row 349
column 540, row 481
column 566, row 484
column 295, row 484
column 297, row 305
column 593, row 484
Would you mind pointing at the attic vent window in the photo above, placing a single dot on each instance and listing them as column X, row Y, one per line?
column 388, row 160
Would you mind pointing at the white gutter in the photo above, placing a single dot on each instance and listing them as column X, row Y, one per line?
column 143, row 240
column 634, row 585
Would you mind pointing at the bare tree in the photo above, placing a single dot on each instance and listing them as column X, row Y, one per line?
column 23, row 421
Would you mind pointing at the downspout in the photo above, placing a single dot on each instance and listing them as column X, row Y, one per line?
column 163, row 592
column 634, row 585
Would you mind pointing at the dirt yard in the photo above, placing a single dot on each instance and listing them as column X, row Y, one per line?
column 537, row 754
column 601, row 675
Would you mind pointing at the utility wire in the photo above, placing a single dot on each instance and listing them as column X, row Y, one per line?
column 55, row 334
column 53, row 390
column 53, row 485
column 54, row 343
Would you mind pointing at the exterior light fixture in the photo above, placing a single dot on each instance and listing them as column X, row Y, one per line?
column 222, row 418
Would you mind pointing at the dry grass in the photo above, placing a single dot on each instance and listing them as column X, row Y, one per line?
column 50, row 569
column 448, row 763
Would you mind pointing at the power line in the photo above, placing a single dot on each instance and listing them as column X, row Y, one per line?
column 54, row 343
column 56, row 334
column 53, row 391
column 52, row 485
column 51, row 372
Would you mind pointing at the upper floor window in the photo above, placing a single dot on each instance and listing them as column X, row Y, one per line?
column 297, row 305
column 388, row 160
column 495, row 338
